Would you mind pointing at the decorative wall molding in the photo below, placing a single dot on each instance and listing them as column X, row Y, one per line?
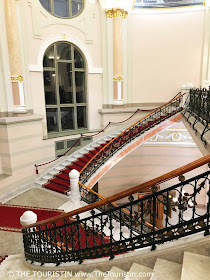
column 83, row 22
column 172, row 137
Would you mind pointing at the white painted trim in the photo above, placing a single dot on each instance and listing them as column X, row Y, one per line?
column 35, row 68
column 96, row 71
column 70, row 39
column 21, row 93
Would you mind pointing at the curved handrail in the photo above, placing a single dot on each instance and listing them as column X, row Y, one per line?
column 149, row 184
column 114, row 204
column 102, row 130
column 175, row 98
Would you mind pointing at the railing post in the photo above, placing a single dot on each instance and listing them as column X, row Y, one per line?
column 74, row 185
column 187, row 91
column 28, row 218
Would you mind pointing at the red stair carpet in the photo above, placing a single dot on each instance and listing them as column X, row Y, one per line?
column 76, row 236
column 10, row 215
column 60, row 181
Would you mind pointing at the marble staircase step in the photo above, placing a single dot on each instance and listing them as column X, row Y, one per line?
column 166, row 270
column 139, row 272
column 195, row 267
column 115, row 273
column 78, row 276
column 96, row 275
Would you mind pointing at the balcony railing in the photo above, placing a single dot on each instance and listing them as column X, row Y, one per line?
column 68, row 238
column 198, row 106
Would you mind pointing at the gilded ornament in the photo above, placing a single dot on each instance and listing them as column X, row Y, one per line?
column 116, row 13
column 119, row 79
column 18, row 78
column 64, row 36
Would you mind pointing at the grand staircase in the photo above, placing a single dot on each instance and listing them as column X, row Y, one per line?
column 89, row 234
column 90, row 158
column 193, row 267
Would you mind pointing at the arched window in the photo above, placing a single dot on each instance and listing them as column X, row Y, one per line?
column 65, row 89
column 63, row 8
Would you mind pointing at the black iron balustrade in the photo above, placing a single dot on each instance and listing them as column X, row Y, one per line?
column 96, row 236
column 90, row 197
column 198, row 106
column 130, row 134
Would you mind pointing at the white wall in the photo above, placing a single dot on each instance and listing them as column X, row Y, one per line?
column 166, row 52
column 84, row 31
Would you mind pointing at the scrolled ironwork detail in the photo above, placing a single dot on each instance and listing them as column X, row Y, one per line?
column 95, row 236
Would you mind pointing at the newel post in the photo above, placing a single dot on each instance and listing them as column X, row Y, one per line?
column 28, row 218
column 186, row 89
column 74, row 185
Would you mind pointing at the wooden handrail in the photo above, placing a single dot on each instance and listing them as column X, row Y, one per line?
column 114, row 204
column 163, row 178
column 178, row 97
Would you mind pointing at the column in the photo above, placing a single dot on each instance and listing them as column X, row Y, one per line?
column 117, row 15
column 14, row 56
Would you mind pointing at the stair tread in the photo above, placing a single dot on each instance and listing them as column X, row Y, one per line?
column 116, row 274
column 79, row 163
column 164, row 268
column 78, row 276
column 136, row 270
column 56, row 188
column 60, row 182
column 96, row 275
column 195, row 267
column 68, row 169
column 85, row 159
column 63, row 176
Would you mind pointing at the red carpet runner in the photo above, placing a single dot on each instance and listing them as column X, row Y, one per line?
column 76, row 237
column 60, row 182
column 10, row 215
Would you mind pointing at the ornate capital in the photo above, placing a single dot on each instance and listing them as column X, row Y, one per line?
column 116, row 13
column 17, row 78
column 119, row 78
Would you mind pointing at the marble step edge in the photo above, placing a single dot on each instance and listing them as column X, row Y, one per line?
column 163, row 268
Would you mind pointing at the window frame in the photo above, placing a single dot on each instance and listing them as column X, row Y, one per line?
column 52, row 12
column 58, row 104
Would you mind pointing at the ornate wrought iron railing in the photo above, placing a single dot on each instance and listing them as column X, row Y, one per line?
column 90, row 196
column 66, row 239
column 134, row 131
column 198, row 106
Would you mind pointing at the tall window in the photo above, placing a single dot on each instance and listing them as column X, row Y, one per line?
column 65, row 89
column 63, row 8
